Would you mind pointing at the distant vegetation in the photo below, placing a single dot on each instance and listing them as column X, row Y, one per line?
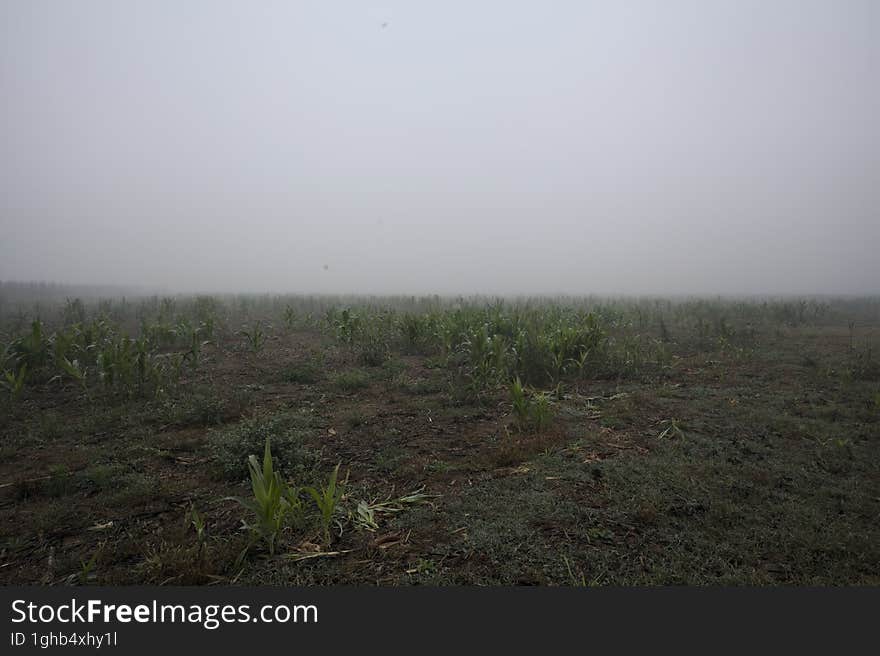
column 146, row 346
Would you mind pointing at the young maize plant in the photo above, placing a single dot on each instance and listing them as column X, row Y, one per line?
column 255, row 337
column 74, row 312
column 540, row 412
column 195, row 519
column 206, row 327
column 347, row 325
column 63, row 344
column 13, row 382
column 533, row 413
column 31, row 349
column 520, row 403
column 558, row 361
column 580, row 362
column 159, row 333
column 174, row 367
column 87, row 567
column 289, row 318
column 117, row 364
column 327, row 500
column 89, row 337
column 416, row 332
column 194, row 354
column 74, row 370
column 273, row 502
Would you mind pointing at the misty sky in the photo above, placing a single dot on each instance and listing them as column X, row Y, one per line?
column 463, row 147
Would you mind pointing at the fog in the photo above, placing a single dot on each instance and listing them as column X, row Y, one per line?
column 583, row 147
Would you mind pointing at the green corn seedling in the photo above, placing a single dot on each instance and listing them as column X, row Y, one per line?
column 206, row 327
column 87, row 567
column 540, row 412
column 327, row 500
column 580, row 362
column 255, row 337
column 195, row 350
column 520, row 403
column 13, row 381
column 73, row 369
column 289, row 317
column 197, row 521
column 32, row 349
column 273, row 500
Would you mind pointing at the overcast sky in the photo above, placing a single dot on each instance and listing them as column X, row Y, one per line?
column 452, row 147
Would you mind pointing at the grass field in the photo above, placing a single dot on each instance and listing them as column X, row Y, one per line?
column 570, row 441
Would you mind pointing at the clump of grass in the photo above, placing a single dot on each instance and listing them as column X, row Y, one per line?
column 416, row 386
column 181, row 561
column 393, row 369
column 203, row 407
column 50, row 425
column 133, row 489
column 231, row 445
column 673, row 429
column 304, row 373
column 864, row 366
column 104, row 477
column 389, row 458
column 373, row 349
column 354, row 419
column 578, row 579
column 60, row 483
column 350, row 381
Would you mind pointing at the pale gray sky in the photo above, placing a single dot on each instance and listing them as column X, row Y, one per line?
column 499, row 147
